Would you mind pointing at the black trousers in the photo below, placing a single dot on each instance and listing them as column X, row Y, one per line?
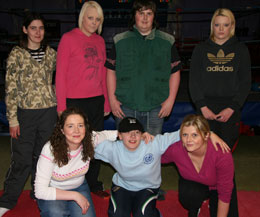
column 192, row 195
column 141, row 203
column 94, row 109
column 228, row 131
column 36, row 126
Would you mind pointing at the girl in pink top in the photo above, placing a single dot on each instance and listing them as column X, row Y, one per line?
column 204, row 172
column 81, row 76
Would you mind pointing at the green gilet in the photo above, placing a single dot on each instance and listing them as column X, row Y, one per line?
column 143, row 68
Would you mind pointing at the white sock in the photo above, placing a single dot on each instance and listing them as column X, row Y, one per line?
column 3, row 211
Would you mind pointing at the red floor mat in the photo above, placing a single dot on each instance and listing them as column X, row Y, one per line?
column 248, row 203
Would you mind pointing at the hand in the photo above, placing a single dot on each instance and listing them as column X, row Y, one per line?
column 82, row 202
column 166, row 108
column 147, row 137
column 14, row 131
column 59, row 113
column 106, row 114
column 217, row 140
column 116, row 108
column 207, row 113
column 224, row 115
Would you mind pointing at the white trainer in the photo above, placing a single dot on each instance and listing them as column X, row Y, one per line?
column 3, row 211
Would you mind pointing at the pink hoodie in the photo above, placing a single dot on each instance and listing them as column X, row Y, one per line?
column 80, row 68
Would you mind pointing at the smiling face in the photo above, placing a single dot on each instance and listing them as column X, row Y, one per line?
column 222, row 28
column 74, row 130
column 131, row 139
column 35, row 34
column 90, row 21
column 192, row 140
column 144, row 21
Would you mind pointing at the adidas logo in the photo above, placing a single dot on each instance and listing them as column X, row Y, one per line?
column 220, row 58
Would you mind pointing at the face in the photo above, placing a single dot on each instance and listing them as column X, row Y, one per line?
column 144, row 21
column 131, row 139
column 221, row 29
column 74, row 131
column 90, row 21
column 35, row 33
column 192, row 140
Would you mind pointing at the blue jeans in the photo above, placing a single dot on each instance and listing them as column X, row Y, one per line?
column 150, row 120
column 62, row 208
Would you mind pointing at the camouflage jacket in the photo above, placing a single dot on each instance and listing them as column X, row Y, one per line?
column 28, row 83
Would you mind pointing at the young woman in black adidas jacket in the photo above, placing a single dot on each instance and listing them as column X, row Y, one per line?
column 220, row 77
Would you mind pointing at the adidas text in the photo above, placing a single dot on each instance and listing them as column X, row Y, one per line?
column 220, row 68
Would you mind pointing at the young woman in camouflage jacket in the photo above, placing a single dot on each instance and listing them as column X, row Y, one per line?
column 31, row 106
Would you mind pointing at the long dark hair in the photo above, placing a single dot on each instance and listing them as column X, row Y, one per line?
column 28, row 18
column 142, row 5
column 59, row 147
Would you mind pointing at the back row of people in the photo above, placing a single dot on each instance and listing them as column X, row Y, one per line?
column 139, row 78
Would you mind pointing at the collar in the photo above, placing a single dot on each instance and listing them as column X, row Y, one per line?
column 151, row 35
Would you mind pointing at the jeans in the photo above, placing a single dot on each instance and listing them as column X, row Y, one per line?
column 62, row 208
column 150, row 120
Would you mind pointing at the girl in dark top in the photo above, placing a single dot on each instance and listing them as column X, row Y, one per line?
column 220, row 77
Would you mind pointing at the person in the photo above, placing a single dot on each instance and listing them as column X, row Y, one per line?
column 220, row 77
column 136, row 183
column 60, row 184
column 204, row 172
column 81, row 76
column 143, row 70
column 31, row 106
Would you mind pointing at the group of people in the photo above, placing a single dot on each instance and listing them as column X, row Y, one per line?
column 60, row 143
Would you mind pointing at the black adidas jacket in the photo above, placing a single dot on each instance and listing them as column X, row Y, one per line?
column 221, row 73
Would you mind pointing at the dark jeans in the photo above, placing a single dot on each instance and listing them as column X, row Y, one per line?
column 192, row 195
column 142, row 203
column 36, row 126
column 94, row 109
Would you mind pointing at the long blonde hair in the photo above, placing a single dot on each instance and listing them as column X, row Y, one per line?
column 223, row 12
column 95, row 5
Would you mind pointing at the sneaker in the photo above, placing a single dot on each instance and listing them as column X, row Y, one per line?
column 102, row 194
column 3, row 211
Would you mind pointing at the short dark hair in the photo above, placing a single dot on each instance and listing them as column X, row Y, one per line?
column 142, row 5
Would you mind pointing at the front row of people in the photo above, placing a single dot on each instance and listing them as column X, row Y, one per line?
column 62, row 190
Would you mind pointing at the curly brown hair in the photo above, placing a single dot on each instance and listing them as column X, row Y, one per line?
column 59, row 147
